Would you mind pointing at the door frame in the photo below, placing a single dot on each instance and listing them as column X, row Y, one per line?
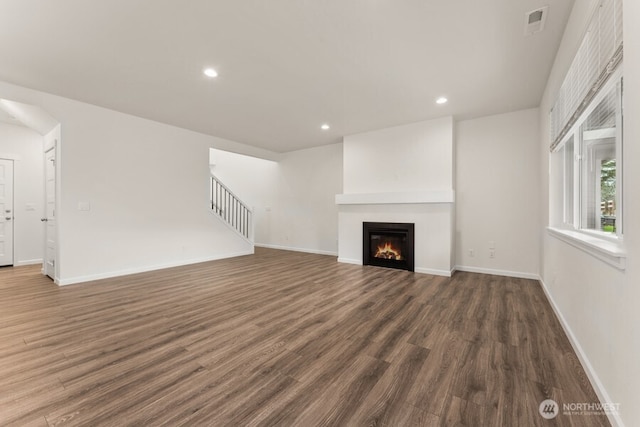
column 12, row 159
column 51, row 143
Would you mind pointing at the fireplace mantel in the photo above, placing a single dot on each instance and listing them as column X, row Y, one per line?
column 413, row 197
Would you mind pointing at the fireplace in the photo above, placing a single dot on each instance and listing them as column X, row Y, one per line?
column 388, row 244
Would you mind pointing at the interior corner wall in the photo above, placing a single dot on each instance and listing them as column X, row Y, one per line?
column 26, row 147
column 598, row 303
column 254, row 181
column 305, row 216
column 292, row 198
column 497, row 194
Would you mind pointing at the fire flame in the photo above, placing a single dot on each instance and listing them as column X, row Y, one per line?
column 387, row 251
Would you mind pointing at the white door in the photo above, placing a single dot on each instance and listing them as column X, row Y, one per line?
column 6, row 212
column 50, row 212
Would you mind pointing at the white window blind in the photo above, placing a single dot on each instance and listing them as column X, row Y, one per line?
column 598, row 56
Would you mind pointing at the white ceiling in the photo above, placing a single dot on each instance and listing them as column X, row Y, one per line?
column 285, row 66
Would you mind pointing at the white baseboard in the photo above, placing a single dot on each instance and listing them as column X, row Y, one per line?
column 28, row 262
column 497, row 272
column 434, row 272
column 350, row 261
column 417, row 270
column 614, row 417
column 144, row 269
column 290, row 248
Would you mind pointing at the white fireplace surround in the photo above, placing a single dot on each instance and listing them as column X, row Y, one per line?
column 433, row 232
column 401, row 174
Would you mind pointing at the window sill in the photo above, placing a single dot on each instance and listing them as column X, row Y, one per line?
column 605, row 250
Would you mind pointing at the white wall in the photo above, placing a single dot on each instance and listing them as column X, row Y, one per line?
column 413, row 157
column 25, row 147
column 148, row 188
column 497, row 193
column 147, row 185
column 626, row 382
column 305, row 216
column 599, row 303
column 417, row 157
column 293, row 198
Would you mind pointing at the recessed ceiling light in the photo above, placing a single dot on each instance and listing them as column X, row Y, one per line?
column 210, row 72
column 324, row 127
column 441, row 100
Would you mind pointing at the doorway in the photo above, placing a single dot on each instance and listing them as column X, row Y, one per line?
column 32, row 136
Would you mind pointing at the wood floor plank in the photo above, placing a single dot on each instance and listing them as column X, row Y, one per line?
column 386, row 401
column 436, row 378
column 460, row 412
column 283, row 338
column 472, row 377
column 25, row 402
column 338, row 402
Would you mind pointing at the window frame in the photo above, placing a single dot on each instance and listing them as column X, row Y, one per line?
column 605, row 246
column 573, row 181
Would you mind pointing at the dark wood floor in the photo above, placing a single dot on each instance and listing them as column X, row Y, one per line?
column 279, row 339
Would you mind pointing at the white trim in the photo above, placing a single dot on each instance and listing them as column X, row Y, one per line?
column 434, row 272
column 294, row 249
column 110, row 274
column 436, row 196
column 601, row 392
column 589, row 135
column 15, row 157
column 350, row 261
column 28, row 262
column 418, row 270
column 612, row 253
column 495, row 272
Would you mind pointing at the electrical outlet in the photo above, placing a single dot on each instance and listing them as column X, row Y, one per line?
column 492, row 253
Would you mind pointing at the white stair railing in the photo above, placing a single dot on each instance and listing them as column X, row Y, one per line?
column 231, row 209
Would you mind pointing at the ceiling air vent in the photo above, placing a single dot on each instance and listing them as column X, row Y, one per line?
column 534, row 21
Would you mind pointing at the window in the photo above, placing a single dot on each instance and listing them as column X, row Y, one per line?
column 591, row 160
column 586, row 141
column 599, row 198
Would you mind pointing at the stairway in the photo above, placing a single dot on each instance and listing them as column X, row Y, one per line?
column 231, row 210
